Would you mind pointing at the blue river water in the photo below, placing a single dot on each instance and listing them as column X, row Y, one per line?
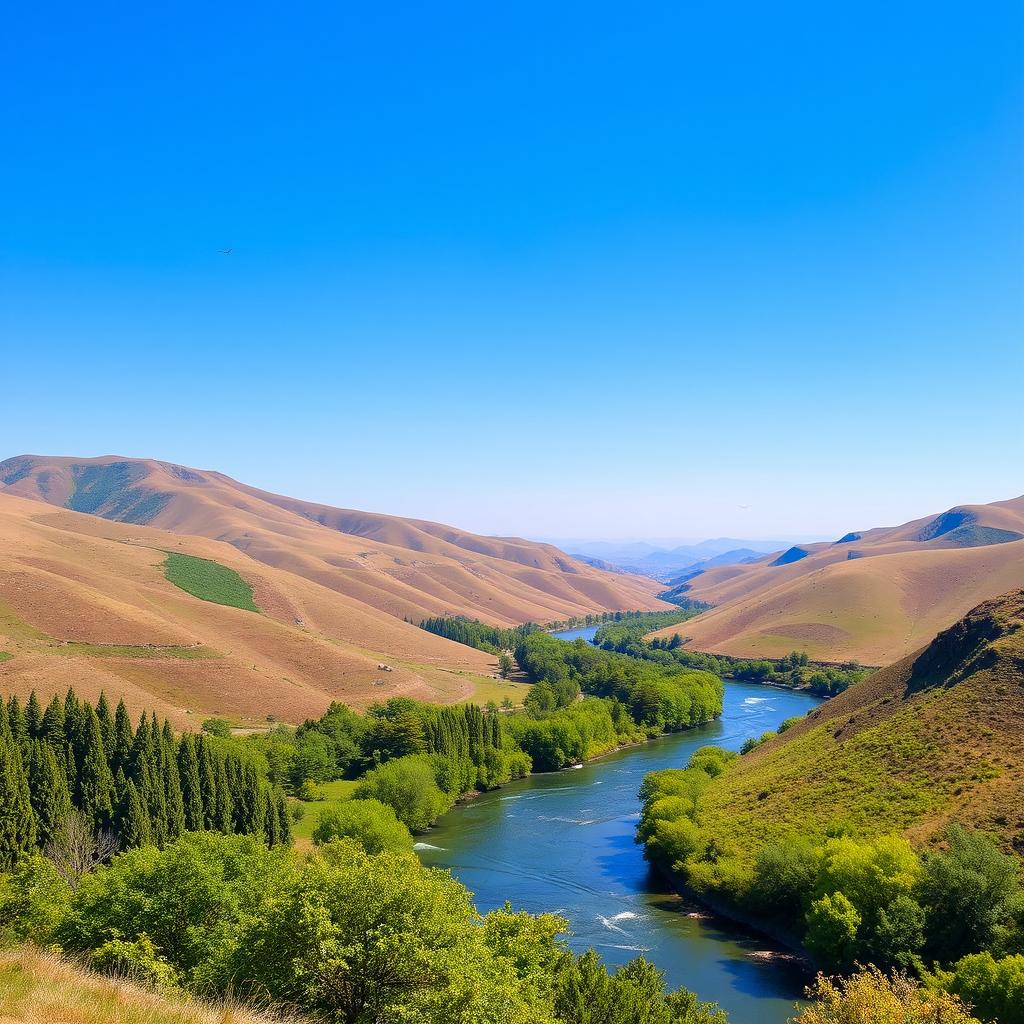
column 564, row 843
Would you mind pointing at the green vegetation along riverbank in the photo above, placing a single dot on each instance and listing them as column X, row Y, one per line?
column 885, row 828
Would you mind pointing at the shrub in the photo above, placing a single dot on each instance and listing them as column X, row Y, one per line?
column 370, row 823
column 408, row 786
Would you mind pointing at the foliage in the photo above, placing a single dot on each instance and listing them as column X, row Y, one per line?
column 474, row 633
column 79, row 783
column 871, row 997
column 409, row 787
column 372, row 824
column 209, row 581
column 342, row 935
column 994, row 989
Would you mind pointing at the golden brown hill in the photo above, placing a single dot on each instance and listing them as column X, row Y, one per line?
column 936, row 738
column 85, row 602
column 871, row 597
column 404, row 567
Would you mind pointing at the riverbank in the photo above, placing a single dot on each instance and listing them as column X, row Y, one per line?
column 564, row 843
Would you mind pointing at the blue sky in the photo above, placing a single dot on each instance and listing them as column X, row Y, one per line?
column 576, row 270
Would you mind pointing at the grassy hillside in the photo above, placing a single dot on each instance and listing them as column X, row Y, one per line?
column 36, row 988
column 937, row 737
column 87, row 603
column 873, row 596
column 209, row 581
column 404, row 568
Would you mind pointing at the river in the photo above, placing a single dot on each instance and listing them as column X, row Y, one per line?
column 564, row 843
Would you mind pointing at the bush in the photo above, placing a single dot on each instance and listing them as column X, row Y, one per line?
column 408, row 786
column 993, row 988
column 370, row 823
column 871, row 997
column 137, row 961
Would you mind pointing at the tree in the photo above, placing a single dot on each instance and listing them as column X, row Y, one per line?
column 871, row 997
column 832, row 925
column 191, row 790
column 505, row 665
column 994, row 989
column 79, row 850
column 95, row 783
column 217, row 727
column 967, row 892
column 408, row 786
column 372, row 824
column 48, row 789
column 17, row 819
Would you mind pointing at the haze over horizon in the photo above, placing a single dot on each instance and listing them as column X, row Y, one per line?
column 523, row 271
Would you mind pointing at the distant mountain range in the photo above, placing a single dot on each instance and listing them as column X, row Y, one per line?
column 872, row 595
column 662, row 563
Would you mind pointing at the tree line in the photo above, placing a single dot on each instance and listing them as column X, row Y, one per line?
column 72, row 769
column 481, row 635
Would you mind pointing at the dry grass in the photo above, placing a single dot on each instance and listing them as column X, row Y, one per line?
column 874, row 609
column 38, row 988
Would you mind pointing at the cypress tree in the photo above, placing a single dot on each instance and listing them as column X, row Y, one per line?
column 106, row 722
column 272, row 831
column 173, row 797
column 191, row 791
column 33, row 716
column 123, row 738
column 95, row 783
column 73, row 722
column 207, row 783
column 156, row 803
column 52, row 727
column 284, row 819
column 141, row 755
column 5, row 728
column 17, row 819
column 133, row 825
column 222, row 804
column 48, row 792
column 16, row 718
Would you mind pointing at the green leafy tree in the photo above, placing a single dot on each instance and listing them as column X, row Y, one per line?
column 967, row 892
column 408, row 786
column 832, row 926
column 372, row 824
column 994, row 989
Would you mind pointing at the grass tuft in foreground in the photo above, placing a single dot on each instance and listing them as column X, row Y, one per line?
column 37, row 987
column 209, row 581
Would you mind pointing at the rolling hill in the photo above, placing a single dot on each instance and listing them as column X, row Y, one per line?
column 936, row 738
column 872, row 596
column 90, row 596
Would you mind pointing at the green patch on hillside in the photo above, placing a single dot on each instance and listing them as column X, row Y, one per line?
column 209, row 581
column 5, row 656
column 329, row 794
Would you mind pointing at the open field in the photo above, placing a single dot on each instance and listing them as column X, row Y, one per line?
column 873, row 598
column 333, row 793
column 209, row 581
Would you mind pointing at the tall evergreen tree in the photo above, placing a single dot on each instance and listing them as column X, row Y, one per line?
column 95, row 783
column 191, row 791
column 222, row 807
column 49, row 794
column 207, row 783
column 173, row 797
column 17, row 819
column 33, row 716
column 123, row 737
column 284, row 819
column 106, row 722
column 133, row 824
column 16, row 718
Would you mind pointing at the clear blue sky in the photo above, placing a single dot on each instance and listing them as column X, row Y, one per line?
column 550, row 269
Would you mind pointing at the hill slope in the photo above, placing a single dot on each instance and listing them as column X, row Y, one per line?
column 36, row 987
column 936, row 738
column 404, row 567
column 872, row 596
column 87, row 602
